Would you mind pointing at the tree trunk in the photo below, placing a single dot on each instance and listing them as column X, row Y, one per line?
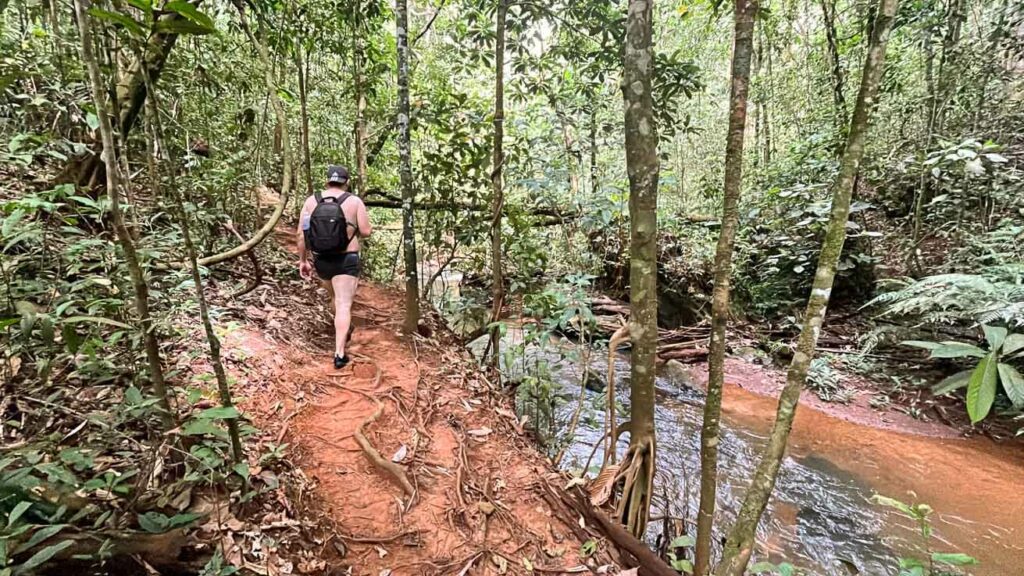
column 156, row 144
column 745, row 12
column 642, row 169
column 152, row 346
column 412, row 293
column 307, row 162
column 828, row 11
column 594, row 184
column 360, row 182
column 740, row 543
column 497, row 195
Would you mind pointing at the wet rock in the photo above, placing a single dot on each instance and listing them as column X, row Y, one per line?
column 595, row 382
column 750, row 354
column 676, row 372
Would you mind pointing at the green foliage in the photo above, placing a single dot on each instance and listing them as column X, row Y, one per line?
column 985, row 377
column 934, row 563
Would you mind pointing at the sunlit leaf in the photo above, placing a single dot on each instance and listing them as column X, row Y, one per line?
column 981, row 391
column 1013, row 384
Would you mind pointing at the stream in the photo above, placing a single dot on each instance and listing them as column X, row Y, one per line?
column 820, row 517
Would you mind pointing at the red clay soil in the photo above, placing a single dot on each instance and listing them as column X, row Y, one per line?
column 476, row 506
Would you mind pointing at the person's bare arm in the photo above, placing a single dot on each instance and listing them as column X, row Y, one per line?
column 363, row 220
column 305, row 265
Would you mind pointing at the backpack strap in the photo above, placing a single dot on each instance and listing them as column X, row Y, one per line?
column 343, row 197
column 318, row 196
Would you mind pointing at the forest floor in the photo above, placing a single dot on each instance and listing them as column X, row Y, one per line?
column 476, row 481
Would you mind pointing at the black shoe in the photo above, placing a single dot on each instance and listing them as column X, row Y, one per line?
column 340, row 361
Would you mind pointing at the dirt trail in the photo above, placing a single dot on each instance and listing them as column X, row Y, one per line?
column 476, row 496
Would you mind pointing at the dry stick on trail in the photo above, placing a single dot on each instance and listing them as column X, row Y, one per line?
column 152, row 346
column 740, row 543
column 286, row 152
column 744, row 14
column 642, row 168
column 157, row 148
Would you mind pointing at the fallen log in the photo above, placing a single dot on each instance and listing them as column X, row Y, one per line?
column 685, row 355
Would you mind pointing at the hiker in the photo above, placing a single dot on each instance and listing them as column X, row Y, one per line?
column 330, row 226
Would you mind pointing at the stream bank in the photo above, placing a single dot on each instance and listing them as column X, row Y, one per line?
column 820, row 518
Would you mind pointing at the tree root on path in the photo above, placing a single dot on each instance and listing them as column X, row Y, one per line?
column 396, row 471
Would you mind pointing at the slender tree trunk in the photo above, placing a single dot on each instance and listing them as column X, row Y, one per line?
column 156, row 150
column 642, row 168
column 412, row 293
column 360, row 182
column 828, row 11
column 594, row 184
column 307, row 162
column 150, row 342
column 740, row 543
column 745, row 12
column 497, row 194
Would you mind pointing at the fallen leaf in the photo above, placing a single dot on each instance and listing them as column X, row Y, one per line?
column 381, row 551
column 486, row 507
column 553, row 552
column 385, row 572
column 479, row 432
column 602, row 488
column 400, row 454
column 500, row 562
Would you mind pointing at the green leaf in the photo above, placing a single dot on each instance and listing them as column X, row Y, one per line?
column 957, row 350
column 179, row 520
column 144, row 5
column 893, row 503
column 1013, row 384
column 96, row 320
column 953, row 558
column 19, row 509
column 92, row 120
column 684, row 541
column 683, row 565
column 219, row 413
column 201, row 428
column 1013, row 343
column 760, row 567
column 920, row 344
column 242, row 469
column 981, row 390
column 154, row 522
column 995, row 336
column 40, row 558
column 179, row 26
column 192, row 13
column 42, row 535
column 127, row 22
column 951, row 383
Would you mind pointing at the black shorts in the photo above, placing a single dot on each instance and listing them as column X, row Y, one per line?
column 346, row 264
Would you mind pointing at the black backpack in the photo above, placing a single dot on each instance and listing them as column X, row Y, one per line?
column 328, row 228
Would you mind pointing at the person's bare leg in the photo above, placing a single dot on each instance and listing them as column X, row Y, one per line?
column 329, row 285
column 345, row 292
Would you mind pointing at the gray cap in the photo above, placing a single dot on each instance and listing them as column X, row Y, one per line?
column 337, row 174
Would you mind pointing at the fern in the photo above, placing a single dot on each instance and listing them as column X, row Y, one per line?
column 996, row 295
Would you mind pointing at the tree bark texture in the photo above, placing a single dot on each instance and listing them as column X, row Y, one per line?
column 150, row 342
column 828, row 11
column 412, row 300
column 745, row 12
column 642, row 169
column 360, row 182
column 307, row 162
column 497, row 192
column 740, row 543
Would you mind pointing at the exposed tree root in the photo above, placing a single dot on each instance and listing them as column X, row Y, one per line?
column 396, row 471
column 621, row 335
column 257, row 271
